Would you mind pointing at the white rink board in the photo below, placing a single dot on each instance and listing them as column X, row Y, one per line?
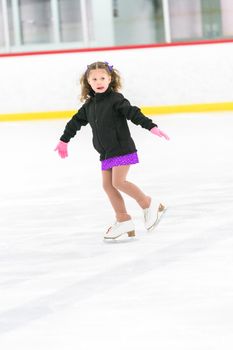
column 175, row 75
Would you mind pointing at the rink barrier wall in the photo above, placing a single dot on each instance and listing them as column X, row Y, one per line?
column 170, row 78
column 150, row 111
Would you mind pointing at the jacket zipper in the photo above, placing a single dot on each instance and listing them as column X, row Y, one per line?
column 96, row 124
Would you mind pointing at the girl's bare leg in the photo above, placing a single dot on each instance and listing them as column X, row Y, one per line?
column 120, row 183
column 115, row 197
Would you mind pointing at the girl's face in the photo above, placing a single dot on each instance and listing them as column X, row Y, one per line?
column 99, row 80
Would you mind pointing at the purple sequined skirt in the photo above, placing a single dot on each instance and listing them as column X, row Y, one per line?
column 127, row 159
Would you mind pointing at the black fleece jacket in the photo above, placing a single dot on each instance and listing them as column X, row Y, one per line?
column 107, row 113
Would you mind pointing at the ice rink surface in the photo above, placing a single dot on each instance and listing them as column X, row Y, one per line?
column 62, row 287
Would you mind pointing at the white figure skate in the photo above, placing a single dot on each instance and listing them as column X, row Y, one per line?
column 152, row 215
column 119, row 229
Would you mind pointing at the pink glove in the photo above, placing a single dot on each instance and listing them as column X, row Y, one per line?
column 62, row 149
column 156, row 131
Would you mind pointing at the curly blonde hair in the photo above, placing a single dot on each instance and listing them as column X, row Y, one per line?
column 86, row 88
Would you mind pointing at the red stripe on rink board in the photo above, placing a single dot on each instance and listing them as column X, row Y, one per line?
column 114, row 48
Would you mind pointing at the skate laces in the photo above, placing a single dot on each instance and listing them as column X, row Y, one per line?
column 115, row 225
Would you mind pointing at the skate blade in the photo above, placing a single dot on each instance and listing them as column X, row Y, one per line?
column 130, row 234
column 159, row 216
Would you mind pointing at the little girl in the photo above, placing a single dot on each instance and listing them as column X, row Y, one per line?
column 107, row 112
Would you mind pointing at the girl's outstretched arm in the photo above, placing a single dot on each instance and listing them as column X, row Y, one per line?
column 134, row 114
column 75, row 124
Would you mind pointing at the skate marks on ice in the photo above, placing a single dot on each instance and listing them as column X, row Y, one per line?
column 58, row 265
column 158, row 254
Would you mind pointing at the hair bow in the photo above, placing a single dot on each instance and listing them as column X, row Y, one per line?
column 109, row 67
